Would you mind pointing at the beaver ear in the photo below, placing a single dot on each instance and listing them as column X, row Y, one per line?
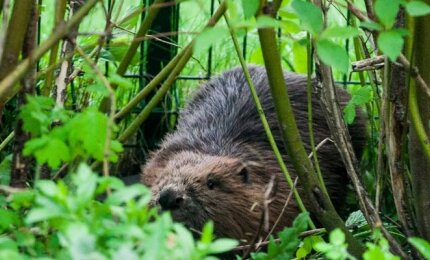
column 244, row 174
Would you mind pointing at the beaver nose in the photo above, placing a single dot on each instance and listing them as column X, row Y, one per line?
column 170, row 199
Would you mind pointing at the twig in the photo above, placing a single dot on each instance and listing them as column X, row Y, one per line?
column 287, row 201
column 368, row 64
column 320, row 145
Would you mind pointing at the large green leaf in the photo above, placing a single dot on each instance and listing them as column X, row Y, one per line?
column 417, row 8
column 209, row 37
column 386, row 11
column 332, row 54
column 421, row 245
column 391, row 43
column 310, row 16
column 250, row 7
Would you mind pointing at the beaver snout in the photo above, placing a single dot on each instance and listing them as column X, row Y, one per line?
column 170, row 199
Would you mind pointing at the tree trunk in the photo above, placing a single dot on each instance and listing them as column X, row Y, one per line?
column 22, row 165
column 420, row 163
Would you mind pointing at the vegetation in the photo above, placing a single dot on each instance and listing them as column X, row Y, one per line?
column 71, row 104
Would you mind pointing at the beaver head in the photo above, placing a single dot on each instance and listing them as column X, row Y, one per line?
column 198, row 187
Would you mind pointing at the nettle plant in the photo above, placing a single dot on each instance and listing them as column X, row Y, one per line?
column 87, row 216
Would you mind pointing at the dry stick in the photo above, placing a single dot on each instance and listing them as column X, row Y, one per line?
column 60, row 11
column 287, row 201
column 105, row 82
column 7, row 90
column 133, row 127
column 374, row 219
column 342, row 139
column 61, row 81
column 320, row 202
column 374, row 63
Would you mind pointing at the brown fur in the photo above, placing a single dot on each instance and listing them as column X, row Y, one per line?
column 218, row 164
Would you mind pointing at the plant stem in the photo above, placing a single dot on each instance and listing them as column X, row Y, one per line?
column 187, row 53
column 264, row 121
column 320, row 203
column 7, row 89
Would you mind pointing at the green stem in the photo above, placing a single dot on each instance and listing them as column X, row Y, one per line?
column 14, row 40
column 7, row 89
column 151, row 86
column 7, row 140
column 310, row 117
column 144, row 27
column 320, row 203
column 187, row 53
column 264, row 121
column 417, row 123
column 134, row 126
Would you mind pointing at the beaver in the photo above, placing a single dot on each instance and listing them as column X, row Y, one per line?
column 217, row 164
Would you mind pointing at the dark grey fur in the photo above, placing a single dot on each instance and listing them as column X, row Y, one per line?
column 219, row 133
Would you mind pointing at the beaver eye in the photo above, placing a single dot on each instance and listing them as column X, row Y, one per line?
column 211, row 184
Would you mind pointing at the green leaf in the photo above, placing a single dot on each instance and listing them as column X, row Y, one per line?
column 222, row 245
column 265, row 21
column 349, row 113
column 310, row 16
column 417, row 8
column 340, row 32
column 80, row 242
column 48, row 188
column 209, row 37
column 391, row 43
column 371, row 26
column 301, row 222
column 48, row 150
column 207, row 233
column 386, row 11
column 337, row 237
column 120, row 81
column 36, row 114
column 85, row 181
column 43, row 214
column 87, row 132
column 361, row 95
column 8, row 218
column 5, row 170
column 421, row 245
column 356, row 218
column 7, row 244
column 127, row 194
column 333, row 55
column 250, row 7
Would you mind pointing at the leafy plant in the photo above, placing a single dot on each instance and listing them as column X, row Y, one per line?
column 288, row 242
column 59, row 220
